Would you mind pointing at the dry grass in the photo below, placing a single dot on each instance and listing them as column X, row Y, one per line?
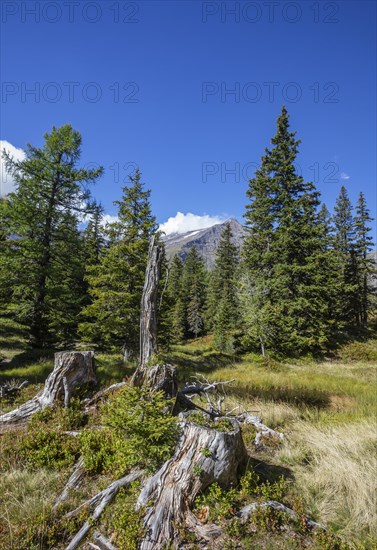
column 24, row 498
column 335, row 469
column 327, row 411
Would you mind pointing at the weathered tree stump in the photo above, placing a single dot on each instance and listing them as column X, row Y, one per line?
column 203, row 456
column 72, row 369
column 148, row 313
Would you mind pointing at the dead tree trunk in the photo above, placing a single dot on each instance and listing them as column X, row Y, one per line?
column 148, row 313
column 202, row 457
column 72, row 369
column 148, row 317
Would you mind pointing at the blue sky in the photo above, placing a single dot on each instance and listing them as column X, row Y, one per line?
column 150, row 83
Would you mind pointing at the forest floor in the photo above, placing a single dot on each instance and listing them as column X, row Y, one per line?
column 326, row 410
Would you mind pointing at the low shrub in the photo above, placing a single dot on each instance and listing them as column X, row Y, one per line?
column 48, row 448
column 125, row 520
column 138, row 431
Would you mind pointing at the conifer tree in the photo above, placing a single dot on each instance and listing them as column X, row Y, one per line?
column 194, row 292
column 5, row 245
column 347, row 257
column 50, row 196
column 283, row 254
column 365, row 265
column 175, row 299
column 223, row 307
column 94, row 236
column 116, row 282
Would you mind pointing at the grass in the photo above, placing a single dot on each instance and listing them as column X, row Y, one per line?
column 326, row 409
column 25, row 496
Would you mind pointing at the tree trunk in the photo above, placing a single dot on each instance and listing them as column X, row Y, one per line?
column 72, row 369
column 202, row 457
column 148, row 317
column 148, row 313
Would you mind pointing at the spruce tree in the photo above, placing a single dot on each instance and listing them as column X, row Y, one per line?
column 347, row 257
column 365, row 266
column 116, row 282
column 223, row 307
column 50, row 196
column 94, row 236
column 194, row 283
column 176, row 302
column 283, row 256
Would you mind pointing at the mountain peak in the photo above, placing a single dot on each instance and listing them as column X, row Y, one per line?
column 206, row 241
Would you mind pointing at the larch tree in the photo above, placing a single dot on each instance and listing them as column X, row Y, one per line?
column 46, row 207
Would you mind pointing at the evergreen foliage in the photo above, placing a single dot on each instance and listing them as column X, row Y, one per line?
column 175, row 317
column 366, row 270
column 285, row 257
column 116, row 281
column 223, row 304
column 44, row 212
column 194, row 281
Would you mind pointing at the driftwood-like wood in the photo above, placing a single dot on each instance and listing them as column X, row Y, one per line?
column 101, row 500
column 202, row 457
column 101, row 395
column 211, row 532
column 148, row 317
column 72, row 369
column 10, row 389
column 161, row 378
column 101, row 542
column 262, row 429
column 244, row 514
column 73, row 483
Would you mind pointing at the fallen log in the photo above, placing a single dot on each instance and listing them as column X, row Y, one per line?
column 203, row 456
column 100, row 500
column 99, row 396
column 102, row 543
column 246, row 512
column 10, row 389
column 71, row 370
column 73, row 483
column 262, row 429
column 211, row 532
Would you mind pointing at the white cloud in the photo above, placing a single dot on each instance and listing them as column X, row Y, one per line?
column 6, row 180
column 344, row 176
column 181, row 223
column 108, row 218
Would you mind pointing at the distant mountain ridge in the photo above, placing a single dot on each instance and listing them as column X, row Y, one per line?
column 206, row 241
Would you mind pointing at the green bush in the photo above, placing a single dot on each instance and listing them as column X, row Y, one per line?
column 48, row 448
column 358, row 351
column 221, row 504
column 138, row 431
column 126, row 520
column 61, row 418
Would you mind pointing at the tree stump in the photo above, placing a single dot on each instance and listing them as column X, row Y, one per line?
column 202, row 457
column 71, row 370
